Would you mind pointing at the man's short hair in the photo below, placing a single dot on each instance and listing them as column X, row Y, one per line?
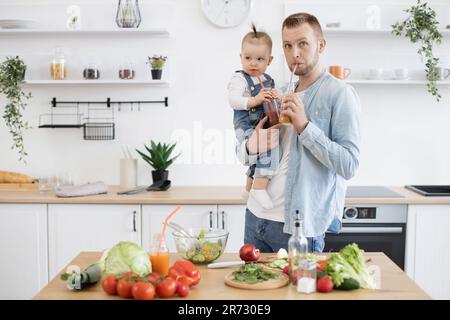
column 297, row 19
column 258, row 37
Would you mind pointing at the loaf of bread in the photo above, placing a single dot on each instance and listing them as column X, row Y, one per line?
column 14, row 177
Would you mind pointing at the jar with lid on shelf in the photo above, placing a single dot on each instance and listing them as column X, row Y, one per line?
column 91, row 70
column 58, row 66
column 126, row 70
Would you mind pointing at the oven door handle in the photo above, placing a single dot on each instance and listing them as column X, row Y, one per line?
column 371, row 230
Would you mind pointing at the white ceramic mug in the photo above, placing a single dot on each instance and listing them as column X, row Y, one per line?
column 128, row 173
column 375, row 74
column 441, row 73
column 401, row 73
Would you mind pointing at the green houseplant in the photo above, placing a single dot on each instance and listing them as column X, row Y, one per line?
column 157, row 63
column 159, row 158
column 422, row 27
column 12, row 75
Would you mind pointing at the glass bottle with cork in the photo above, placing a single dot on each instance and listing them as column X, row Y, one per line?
column 297, row 248
column 159, row 255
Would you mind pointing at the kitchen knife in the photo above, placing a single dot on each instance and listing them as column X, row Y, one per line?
column 225, row 264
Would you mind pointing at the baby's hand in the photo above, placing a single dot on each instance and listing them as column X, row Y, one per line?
column 263, row 95
column 275, row 94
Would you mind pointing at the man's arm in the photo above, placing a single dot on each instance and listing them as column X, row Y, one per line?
column 260, row 141
column 341, row 152
column 243, row 155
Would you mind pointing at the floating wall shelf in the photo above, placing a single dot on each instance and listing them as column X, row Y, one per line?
column 150, row 32
column 366, row 32
column 97, row 82
column 395, row 82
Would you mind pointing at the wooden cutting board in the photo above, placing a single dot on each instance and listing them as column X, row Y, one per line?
column 269, row 284
column 19, row 186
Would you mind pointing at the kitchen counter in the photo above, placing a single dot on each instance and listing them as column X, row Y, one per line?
column 395, row 284
column 193, row 195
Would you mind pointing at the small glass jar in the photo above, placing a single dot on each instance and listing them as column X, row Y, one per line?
column 126, row 70
column 58, row 66
column 159, row 255
column 306, row 276
column 91, row 71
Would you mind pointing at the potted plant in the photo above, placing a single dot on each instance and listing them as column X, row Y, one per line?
column 159, row 157
column 12, row 75
column 422, row 27
column 157, row 63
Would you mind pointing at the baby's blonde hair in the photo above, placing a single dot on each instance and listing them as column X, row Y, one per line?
column 258, row 37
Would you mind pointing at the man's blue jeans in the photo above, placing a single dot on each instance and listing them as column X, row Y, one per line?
column 268, row 236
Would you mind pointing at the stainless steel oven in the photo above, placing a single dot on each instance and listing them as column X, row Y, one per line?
column 377, row 228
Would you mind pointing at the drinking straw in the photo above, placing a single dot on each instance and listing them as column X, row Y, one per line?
column 292, row 77
column 165, row 226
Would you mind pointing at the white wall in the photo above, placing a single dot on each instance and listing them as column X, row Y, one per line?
column 406, row 135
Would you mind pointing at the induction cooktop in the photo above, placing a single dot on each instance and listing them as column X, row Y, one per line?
column 431, row 190
column 371, row 192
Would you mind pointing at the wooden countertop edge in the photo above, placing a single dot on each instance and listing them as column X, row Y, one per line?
column 225, row 195
column 55, row 289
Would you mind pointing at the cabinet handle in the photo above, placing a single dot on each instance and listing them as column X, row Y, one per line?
column 223, row 220
column 134, row 221
column 211, row 219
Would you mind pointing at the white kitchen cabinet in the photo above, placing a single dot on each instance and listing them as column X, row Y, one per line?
column 84, row 227
column 232, row 218
column 189, row 216
column 23, row 250
column 427, row 254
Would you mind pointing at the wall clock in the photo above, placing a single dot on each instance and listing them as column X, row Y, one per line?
column 226, row 13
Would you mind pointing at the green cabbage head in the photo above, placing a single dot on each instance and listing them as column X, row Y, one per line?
column 125, row 257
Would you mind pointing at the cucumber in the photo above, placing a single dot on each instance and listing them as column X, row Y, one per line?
column 349, row 284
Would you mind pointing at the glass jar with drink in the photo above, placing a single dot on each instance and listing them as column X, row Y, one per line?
column 159, row 255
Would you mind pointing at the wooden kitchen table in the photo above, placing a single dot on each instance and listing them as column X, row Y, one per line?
column 395, row 284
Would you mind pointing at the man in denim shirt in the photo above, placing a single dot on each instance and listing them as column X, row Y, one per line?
column 320, row 149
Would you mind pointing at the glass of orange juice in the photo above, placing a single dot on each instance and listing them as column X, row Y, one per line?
column 159, row 255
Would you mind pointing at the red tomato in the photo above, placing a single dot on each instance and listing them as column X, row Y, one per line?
column 324, row 284
column 109, row 285
column 166, row 288
column 143, row 291
column 155, row 278
column 182, row 289
column 124, row 288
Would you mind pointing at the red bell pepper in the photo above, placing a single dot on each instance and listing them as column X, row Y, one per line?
column 185, row 271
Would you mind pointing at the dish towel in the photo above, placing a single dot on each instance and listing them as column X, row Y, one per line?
column 81, row 190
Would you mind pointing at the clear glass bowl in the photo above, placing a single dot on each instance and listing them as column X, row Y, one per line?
column 201, row 248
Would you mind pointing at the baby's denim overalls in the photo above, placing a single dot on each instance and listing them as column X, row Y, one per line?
column 245, row 122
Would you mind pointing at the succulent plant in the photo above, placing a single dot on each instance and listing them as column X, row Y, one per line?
column 158, row 155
